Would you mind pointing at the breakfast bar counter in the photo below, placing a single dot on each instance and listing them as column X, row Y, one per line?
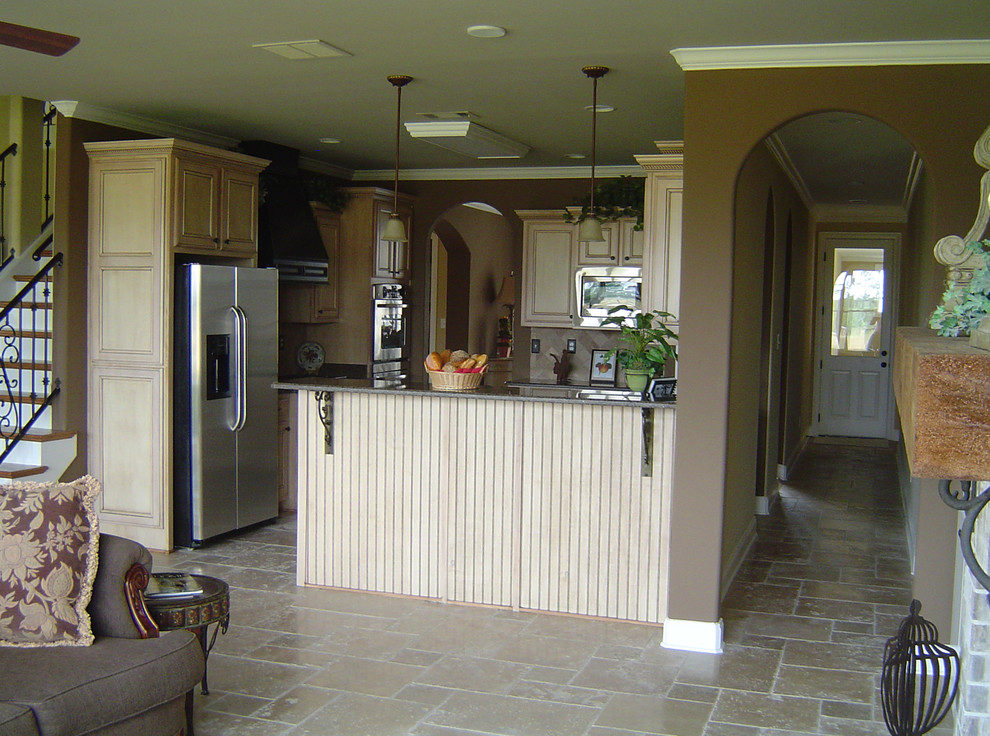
column 528, row 497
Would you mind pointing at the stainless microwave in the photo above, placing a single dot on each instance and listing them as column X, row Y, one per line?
column 602, row 288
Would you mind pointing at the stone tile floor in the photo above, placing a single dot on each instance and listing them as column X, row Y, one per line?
column 805, row 624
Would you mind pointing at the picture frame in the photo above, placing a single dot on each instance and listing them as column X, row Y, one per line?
column 602, row 368
column 663, row 389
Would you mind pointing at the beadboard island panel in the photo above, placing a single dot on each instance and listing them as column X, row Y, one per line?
column 525, row 504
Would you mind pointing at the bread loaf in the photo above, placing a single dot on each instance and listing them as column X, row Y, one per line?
column 434, row 362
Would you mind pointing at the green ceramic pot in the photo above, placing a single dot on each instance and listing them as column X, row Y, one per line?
column 637, row 380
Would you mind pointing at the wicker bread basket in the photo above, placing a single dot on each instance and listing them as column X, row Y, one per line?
column 443, row 381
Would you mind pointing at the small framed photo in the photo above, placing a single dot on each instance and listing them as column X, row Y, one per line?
column 602, row 368
column 663, row 389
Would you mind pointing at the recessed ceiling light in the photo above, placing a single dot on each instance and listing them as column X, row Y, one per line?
column 329, row 140
column 574, row 155
column 314, row 49
column 600, row 108
column 486, row 31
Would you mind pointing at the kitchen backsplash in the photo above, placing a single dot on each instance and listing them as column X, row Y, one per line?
column 555, row 341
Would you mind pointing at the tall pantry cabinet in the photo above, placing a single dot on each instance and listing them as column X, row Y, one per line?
column 152, row 204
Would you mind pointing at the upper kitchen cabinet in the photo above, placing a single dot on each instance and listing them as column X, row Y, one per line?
column 623, row 246
column 316, row 303
column 662, row 227
column 362, row 224
column 548, row 269
column 215, row 204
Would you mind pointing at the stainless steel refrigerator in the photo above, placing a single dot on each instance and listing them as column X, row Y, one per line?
column 225, row 414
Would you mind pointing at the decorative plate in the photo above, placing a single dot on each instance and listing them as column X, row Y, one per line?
column 310, row 356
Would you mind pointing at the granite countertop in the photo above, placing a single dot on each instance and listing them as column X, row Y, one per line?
column 569, row 394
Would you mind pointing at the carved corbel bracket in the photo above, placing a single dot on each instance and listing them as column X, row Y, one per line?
column 951, row 251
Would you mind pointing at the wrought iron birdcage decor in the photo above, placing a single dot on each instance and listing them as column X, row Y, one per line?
column 920, row 677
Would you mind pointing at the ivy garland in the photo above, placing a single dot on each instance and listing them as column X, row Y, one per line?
column 614, row 198
column 963, row 308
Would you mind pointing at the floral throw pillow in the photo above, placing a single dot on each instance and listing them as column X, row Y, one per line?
column 48, row 558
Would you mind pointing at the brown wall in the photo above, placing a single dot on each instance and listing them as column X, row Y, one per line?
column 726, row 114
column 434, row 198
column 492, row 244
column 764, row 192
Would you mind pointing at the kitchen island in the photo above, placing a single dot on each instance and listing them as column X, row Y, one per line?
column 526, row 497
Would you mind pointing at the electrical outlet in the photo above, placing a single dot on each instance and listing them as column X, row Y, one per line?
column 571, row 345
column 534, row 345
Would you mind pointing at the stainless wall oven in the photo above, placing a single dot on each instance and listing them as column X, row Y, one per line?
column 390, row 341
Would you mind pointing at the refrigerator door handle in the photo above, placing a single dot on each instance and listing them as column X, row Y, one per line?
column 240, row 370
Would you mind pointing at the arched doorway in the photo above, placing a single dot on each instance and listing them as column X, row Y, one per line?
column 472, row 250
column 831, row 177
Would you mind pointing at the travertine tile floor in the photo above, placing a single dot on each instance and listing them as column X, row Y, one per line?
column 805, row 625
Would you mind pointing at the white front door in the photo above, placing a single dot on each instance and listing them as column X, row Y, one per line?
column 855, row 291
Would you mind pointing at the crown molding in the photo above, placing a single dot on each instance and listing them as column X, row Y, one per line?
column 779, row 151
column 92, row 113
column 913, row 179
column 106, row 116
column 892, row 53
column 139, row 124
column 493, row 173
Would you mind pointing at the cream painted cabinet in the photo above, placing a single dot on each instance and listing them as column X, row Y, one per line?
column 548, row 269
column 662, row 229
column 141, row 196
column 623, row 246
column 215, row 205
column 316, row 303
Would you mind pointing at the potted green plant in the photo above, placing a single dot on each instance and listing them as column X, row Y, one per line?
column 963, row 308
column 644, row 344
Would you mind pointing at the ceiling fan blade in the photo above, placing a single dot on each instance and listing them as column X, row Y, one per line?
column 35, row 39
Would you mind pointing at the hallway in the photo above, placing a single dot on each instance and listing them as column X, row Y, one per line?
column 805, row 625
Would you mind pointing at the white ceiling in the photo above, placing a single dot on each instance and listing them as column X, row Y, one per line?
column 190, row 63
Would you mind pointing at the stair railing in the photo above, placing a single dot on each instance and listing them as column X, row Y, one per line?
column 25, row 351
column 6, row 256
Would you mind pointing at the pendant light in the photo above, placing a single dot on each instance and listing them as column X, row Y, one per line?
column 394, row 230
column 590, row 228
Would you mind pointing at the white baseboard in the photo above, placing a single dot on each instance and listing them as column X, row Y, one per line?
column 692, row 636
column 765, row 504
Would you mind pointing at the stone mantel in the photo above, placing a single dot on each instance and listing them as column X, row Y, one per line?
column 942, row 386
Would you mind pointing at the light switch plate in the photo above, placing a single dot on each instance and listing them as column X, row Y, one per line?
column 534, row 345
column 571, row 345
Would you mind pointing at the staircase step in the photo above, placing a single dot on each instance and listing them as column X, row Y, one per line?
column 26, row 334
column 28, row 366
column 28, row 305
column 22, row 398
column 16, row 470
column 46, row 435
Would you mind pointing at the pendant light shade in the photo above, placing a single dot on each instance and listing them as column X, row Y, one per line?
column 590, row 229
column 394, row 230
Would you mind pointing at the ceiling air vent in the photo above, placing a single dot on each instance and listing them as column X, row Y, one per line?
column 313, row 49
column 467, row 138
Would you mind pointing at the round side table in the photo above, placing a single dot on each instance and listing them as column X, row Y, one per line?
column 194, row 612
